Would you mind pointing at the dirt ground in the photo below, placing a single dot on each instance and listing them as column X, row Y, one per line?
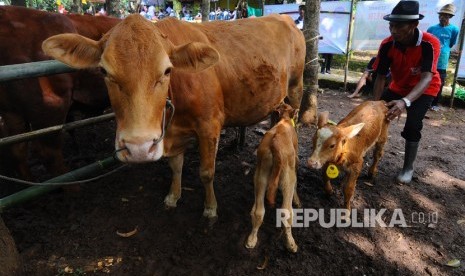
column 76, row 234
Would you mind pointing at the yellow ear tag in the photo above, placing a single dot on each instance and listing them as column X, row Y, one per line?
column 292, row 122
column 332, row 171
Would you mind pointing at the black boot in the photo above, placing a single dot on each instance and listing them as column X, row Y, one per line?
column 411, row 149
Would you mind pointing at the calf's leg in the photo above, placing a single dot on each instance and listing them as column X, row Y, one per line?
column 258, row 210
column 349, row 186
column 288, row 185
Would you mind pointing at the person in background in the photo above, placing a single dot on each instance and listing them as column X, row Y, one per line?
column 412, row 56
column 299, row 22
column 369, row 75
column 447, row 34
column 326, row 66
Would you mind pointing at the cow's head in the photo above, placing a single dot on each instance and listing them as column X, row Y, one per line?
column 137, row 61
column 286, row 111
column 329, row 141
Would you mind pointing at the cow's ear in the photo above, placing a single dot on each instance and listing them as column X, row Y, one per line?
column 323, row 119
column 74, row 50
column 352, row 130
column 194, row 57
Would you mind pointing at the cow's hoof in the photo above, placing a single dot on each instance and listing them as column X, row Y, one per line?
column 170, row 201
column 291, row 245
column 209, row 213
column 251, row 241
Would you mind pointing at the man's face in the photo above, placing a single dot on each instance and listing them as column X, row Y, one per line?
column 444, row 19
column 403, row 32
column 301, row 13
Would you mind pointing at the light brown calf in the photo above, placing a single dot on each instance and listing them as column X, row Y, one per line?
column 345, row 144
column 276, row 167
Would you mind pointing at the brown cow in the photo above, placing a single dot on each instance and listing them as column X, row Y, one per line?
column 277, row 157
column 42, row 102
column 345, row 144
column 216, row 74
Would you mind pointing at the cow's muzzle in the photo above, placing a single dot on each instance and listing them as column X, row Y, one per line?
column 169, row 107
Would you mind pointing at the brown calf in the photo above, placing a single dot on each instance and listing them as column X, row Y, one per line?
column 345, row 144
column 276, row 167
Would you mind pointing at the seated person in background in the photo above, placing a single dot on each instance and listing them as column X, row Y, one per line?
column 368, row 75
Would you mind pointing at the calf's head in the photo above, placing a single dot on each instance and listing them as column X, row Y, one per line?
column 137, row 60
column 286, row 111
column 329, row 142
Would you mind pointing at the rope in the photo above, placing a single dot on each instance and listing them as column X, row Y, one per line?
column 19, row 181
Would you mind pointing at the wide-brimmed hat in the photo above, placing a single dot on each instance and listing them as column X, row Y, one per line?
column 405, row 11
column 448, row 9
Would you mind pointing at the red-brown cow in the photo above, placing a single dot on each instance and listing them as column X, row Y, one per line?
column 345, row 144
column 42, row 102
column 277, row 157
column 216, row 74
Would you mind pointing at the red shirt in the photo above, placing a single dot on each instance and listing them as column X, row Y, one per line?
column 407, row 63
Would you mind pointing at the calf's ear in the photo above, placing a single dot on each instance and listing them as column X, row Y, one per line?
column 74, row 50
column 352, row 130
column 194, row 57
column 323, row 119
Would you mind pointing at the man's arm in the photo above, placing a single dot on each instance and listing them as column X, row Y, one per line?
column 397, row 106
column 421, row 86
column 378, row 87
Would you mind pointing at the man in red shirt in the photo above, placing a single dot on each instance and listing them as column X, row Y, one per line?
column 411, row 55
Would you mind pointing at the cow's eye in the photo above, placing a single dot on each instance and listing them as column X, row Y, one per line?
column 332, row 146
column 103, row 71
column 167, row 71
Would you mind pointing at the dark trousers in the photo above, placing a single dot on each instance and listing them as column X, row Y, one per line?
column 443, row 75
column 327, row 64
column 415, row 114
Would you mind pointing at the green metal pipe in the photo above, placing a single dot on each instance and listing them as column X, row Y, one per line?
column 36, row 191
column 54, row 129
column 33, row 69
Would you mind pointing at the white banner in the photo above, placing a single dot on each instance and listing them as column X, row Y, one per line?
column 334, row 27
column 461, row 72
column 370, row 28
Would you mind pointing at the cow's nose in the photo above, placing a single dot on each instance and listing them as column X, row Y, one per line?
column 313, row 164
column 138, row 152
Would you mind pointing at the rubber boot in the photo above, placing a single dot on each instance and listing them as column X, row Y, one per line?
column 411, row 149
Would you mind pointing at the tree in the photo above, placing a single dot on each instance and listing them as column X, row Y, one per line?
column 113, row 7
column 76, row 6
column 18, row 3
column 205, row 9
column 311, row 33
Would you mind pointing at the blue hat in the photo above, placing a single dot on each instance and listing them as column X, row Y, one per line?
column 405, row 11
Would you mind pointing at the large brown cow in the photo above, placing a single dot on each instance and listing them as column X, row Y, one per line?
column 216, row 74
column 42, row 102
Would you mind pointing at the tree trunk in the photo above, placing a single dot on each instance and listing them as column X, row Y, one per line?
column 205, row 9
column 76, row 7
column 18, row 3
column 311, row 23
column 113, row 7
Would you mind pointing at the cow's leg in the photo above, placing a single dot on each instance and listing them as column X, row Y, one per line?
column 377, row 154
column 288, row 187
column 14, row 158
column 258, row 209
column 295, row 198
column 176, row 163
column 349, row 186
column 208, row 147
column 50, row 149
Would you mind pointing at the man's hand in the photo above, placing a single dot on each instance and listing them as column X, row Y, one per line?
column 396, row 108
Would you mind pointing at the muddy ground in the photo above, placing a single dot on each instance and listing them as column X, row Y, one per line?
column 62, row 233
